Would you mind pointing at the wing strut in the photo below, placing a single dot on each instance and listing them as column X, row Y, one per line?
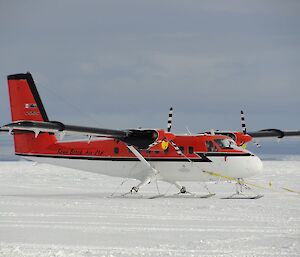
column 149, row 177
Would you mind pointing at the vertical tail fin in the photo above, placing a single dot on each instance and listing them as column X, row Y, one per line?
column 26, row 104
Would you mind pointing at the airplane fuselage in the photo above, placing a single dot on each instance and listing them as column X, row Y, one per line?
column 112, row 157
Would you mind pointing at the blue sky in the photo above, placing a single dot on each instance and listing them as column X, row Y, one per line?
column 122, row 64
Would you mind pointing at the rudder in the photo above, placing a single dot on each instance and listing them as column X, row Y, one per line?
column 26, row 104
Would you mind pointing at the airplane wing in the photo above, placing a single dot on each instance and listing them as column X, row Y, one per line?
column 140, row 138
column 273, row 133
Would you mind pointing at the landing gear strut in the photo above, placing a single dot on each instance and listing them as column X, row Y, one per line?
column 183, row 190
column 134, row 190
column 240, row 188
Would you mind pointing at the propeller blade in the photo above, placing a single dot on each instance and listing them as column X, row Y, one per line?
column 170, row 119
column 243, row 123
column 244, row 129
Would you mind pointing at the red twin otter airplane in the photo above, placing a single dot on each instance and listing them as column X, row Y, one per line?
column 146, row 155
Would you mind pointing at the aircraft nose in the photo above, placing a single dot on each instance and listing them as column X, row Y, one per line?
column 244, row 167
column 256, row 164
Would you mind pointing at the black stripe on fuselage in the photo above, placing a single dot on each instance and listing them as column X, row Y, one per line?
column 222, row 154
column 203, row 157
column 92, row 158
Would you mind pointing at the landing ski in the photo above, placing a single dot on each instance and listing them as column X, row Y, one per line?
column 182, row 196
column 243, row 197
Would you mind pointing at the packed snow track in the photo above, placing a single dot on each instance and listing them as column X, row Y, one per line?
column 52, row 211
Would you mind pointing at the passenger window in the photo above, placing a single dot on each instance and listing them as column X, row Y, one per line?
column 191, row 150
column 116, row 150
column 181, row 148
column 210, row 146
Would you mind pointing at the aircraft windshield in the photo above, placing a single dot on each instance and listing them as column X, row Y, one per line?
column 225, row 143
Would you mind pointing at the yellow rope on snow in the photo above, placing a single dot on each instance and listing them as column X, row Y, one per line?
column 290, row 190
column 248, row 183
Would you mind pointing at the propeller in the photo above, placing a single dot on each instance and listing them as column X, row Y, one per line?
column 244, row 129
column 170, row 119
column 163, row 142
column 243, row 123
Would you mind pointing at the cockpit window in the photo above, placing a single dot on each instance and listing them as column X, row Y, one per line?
column 225, row 143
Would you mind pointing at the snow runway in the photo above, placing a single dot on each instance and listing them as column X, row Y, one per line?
column 52, row 211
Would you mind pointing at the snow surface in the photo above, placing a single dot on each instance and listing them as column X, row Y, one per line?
column 52, row 211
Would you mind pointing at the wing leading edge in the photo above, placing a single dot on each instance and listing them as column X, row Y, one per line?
column 273, row 133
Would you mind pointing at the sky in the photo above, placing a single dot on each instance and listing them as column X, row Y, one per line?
column 122, row 64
